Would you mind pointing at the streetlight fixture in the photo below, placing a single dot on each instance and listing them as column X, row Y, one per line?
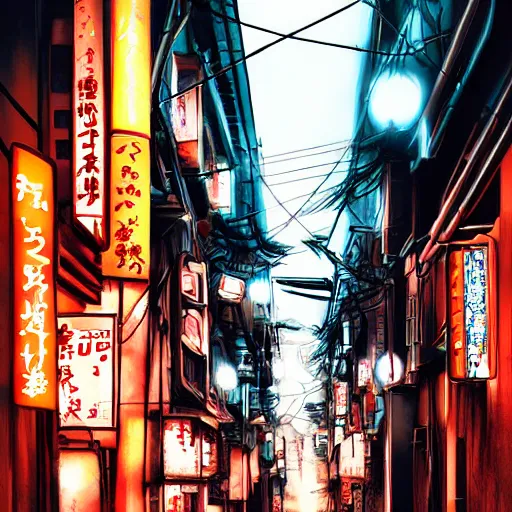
column 226, row 377
column 259, row 292
column 395, row 101
column 389, row 370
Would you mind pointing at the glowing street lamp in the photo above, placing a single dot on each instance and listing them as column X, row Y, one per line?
column 389, row 370
column 259, row 292
column 226, row 377
column 395, row 100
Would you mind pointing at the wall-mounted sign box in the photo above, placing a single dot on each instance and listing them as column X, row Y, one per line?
column 33, row 277
column 472, row 322
column 190, row 449
column 89, row 118
column 86, row 349
column 191, row 329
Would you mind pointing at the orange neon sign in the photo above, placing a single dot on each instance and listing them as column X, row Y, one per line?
column 131, row 66
column 89, row 118
column 128, row 255
column 34, row 322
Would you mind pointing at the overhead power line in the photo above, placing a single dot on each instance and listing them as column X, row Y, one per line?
column 303, row 156
column 282, row 37
column 348, row 141
column 411, row 50
column 306, row 178
column 280, row 173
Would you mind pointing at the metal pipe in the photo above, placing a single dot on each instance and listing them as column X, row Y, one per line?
column 438, row 133
column 491, row 162
column 436, row 230
column 453, row 52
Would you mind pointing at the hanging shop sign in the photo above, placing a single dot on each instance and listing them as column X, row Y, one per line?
column 346, row 492
column 79, row 481
column 33, row 271
column 472, row 311
column 86, row 371
column 128, row 255
column 364, row 373
column 190, row 449
column 352, row 456
column 131, row 66
column 340, row 398
column 186, row 113
column 339, row 430
column 191, row 327
column 231, row 289
column 89, row 118
column 238, row 474
column 355, row 417
column 357, row 493
column 180, row 498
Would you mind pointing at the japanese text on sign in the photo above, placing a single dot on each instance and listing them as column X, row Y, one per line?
column 88, row 116
column 33, row 276
column 128, row 256
column 85, row 364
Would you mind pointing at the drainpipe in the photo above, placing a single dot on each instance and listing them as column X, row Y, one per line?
column 484, row 37
column 451, row 56
column 436, row 233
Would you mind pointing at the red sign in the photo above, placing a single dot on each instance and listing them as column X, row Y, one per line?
column 277, row 505
column 341, row 398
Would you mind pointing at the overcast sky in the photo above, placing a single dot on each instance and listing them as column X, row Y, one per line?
column 303, row 95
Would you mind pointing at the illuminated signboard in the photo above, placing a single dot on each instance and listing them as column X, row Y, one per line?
column 238, row 474
column 79, row 481
column 191, row 326
column 472, row 315
column 128, row 255
column 86, row 371
column 33, row 238
column 231, row 289
column 89, row 118
column 190, row 450
column 181, row 498
column 364, row 373
column 352, row 452
column 131, row 66
column 340, row 398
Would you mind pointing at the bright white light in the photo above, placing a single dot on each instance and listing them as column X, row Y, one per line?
column 226, row 377
column 259, row 291
column 383, row 374
column 395, row 100
column 278, row 369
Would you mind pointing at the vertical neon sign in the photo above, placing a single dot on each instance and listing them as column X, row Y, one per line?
column 34, row 323
column 128, row 254
column 472, row 312
column 89, row 118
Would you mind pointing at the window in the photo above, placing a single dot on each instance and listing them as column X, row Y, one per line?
column 61, row 68
column 194, row 367
column 62, row 119
column 63, row 149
